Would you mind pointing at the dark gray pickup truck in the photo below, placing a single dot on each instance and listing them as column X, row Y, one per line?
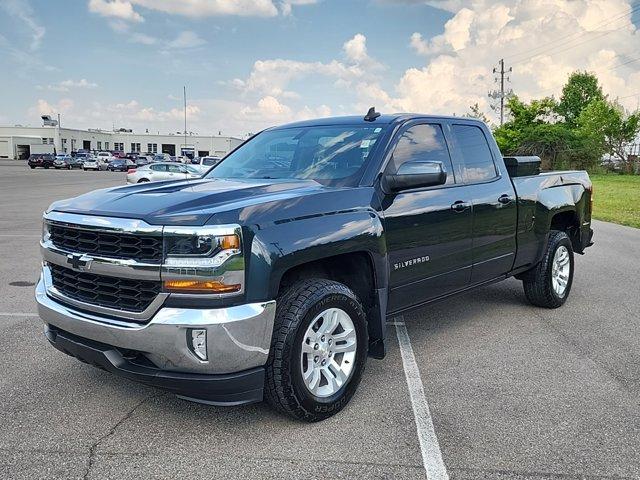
column 274, row 275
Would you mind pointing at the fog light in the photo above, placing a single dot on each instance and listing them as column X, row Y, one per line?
column 198, row 342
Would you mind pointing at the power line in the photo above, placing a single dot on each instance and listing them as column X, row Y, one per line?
column 542, row 48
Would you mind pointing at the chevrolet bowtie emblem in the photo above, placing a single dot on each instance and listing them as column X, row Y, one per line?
column 79, row 261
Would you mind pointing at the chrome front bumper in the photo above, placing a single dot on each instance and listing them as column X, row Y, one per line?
column 238, row 338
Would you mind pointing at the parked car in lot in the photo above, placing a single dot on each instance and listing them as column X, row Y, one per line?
column 44, row 160
column 67, row 162
column 118, row 154
column 161, row 157
column 162, row 171
column 105, row 157
column 91, row 162
column 121, row 165
column 205, row 163
column 274, row 277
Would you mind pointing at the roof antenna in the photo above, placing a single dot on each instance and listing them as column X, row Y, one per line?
column 371, row 115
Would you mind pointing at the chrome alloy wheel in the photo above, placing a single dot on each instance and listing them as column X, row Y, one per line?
column 328, row 352
column 560, row 270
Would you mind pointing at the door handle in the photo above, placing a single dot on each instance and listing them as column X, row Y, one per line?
column 460, row 206
column 505, row 199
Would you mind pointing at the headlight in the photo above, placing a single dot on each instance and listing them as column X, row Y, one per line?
column 46, row 234
column 203, row 260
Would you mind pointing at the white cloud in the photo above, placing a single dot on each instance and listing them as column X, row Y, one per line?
column 143, row 38
column 82, row 83
column 356, row 48
column 286, row 5
column 119, row 9
column 272, row 77
column 66, row 85
column 543, row 41
column 206, row 8
column 124, row 9
column 42, row 107
column 21, row 10
column 186, row 39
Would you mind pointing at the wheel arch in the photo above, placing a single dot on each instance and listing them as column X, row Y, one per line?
column 347, row 248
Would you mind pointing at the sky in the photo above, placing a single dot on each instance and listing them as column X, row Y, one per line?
column 250, row 64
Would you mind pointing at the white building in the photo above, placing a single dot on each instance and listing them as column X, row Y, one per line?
column 15, row 142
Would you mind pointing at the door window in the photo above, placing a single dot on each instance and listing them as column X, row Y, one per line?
column 477, row 161
column 176, row 169
column 422, row 142
column 159, row 168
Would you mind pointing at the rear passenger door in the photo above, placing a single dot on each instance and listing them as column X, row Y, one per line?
column 493, row 198
column 159, row 172
column 427, row 230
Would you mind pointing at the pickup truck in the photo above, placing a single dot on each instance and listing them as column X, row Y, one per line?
column 274, row 276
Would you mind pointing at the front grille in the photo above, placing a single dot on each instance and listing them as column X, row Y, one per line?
column 112, row 292
column 111, row 245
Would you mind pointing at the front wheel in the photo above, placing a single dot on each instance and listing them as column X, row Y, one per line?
column 548, row 284
column 318, row 350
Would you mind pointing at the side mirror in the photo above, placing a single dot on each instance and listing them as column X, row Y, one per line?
column 415, row 174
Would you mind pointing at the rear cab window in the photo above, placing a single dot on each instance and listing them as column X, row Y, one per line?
column 477, row 162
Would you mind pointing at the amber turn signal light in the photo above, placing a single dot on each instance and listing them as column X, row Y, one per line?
column 206, row 286
column 229, row 242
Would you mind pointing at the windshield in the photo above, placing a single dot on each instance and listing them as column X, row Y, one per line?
column 331, row 155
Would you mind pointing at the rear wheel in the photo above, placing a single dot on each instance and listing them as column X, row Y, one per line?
column 143, row 180
column 318, row 350
column 548, row 284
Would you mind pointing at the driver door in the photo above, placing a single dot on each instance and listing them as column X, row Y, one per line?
column 428, row 230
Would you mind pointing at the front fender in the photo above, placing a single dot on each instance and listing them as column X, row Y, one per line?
column 281, row 246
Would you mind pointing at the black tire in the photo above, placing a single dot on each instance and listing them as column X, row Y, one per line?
column 296, row 308
column 32, row 167
column 143, row 180
column 537, row 282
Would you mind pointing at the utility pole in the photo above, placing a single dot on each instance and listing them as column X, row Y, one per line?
column 184, row 90
column 501, row 94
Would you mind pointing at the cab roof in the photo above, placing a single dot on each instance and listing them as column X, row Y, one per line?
column 384, row 119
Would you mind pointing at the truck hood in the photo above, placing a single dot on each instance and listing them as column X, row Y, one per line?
column 191, row 202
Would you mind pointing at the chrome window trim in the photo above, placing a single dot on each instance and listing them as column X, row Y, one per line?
column 145, row 315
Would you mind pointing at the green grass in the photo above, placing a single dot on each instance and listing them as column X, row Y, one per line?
column 617, row 199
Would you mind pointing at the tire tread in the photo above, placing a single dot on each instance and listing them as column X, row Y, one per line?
column 291, row 308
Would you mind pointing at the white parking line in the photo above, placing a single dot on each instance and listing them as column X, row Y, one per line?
column 429, row 446
column 17, row 314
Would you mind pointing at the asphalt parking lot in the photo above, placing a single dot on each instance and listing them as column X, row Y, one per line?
column 514, row 392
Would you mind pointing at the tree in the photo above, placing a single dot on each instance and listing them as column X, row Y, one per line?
column 608, row 129
column 535, row 129
column 581, row 89
column 475, row 112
